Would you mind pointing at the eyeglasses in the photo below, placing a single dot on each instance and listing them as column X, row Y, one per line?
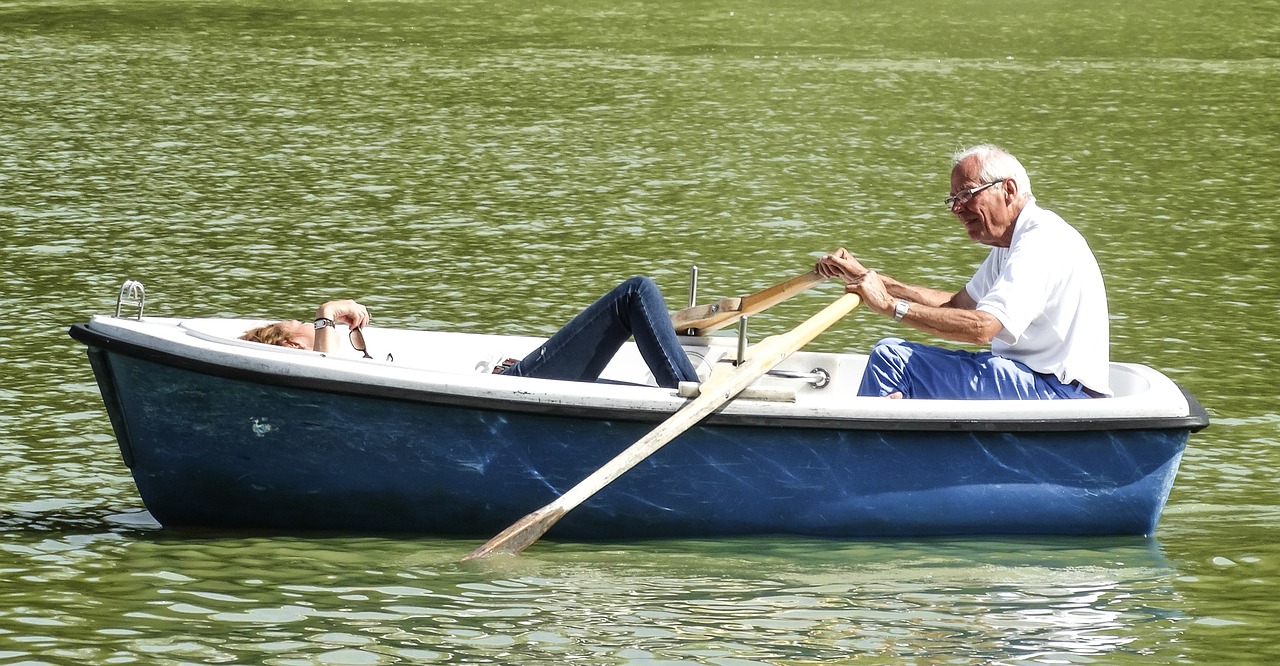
column 357, row 342
column 965, row 196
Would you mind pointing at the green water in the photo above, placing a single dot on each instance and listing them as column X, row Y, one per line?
column 494, row 166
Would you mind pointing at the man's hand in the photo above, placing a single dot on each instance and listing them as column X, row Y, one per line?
column 875, row 295
column 841, row 264
column 858, row 279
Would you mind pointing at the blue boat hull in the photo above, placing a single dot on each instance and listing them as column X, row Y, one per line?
column 218, row 451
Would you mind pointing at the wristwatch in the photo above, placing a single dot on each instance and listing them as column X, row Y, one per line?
column 900, row 309
column 322, row 322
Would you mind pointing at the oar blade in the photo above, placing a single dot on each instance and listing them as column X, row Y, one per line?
column 521, row 534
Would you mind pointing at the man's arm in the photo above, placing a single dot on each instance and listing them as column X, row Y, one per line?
column 925, row 295
column 946, row 315
column 844, row 265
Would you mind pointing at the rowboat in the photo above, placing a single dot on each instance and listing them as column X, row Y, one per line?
column 423, row 438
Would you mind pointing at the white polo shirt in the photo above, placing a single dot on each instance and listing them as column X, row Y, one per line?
column 1047, row 291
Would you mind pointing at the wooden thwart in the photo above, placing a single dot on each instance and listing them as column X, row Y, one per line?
column 704, row 319
column 715, row 392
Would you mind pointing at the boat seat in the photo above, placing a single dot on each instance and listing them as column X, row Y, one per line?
column 704, row 359
column 1124, row 382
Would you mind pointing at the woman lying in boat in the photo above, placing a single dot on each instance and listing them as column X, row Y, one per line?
column 577, row 352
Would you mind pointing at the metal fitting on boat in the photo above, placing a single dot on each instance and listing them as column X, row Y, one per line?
column 132, row 293
column 817, row 377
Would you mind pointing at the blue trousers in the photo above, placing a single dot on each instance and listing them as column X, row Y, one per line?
column 924, row 371
column 580, row 351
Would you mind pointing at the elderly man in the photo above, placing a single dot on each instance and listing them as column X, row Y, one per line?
column 1038, row 300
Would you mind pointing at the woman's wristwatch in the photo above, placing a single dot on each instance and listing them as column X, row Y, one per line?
column 324, row 322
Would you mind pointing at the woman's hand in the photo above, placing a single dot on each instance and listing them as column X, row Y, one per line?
column 344, row 311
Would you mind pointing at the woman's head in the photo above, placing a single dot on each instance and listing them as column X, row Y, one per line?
column 290, row 333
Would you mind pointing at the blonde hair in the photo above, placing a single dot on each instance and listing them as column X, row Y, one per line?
column 271, row 334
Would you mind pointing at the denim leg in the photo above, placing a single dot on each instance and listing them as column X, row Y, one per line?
column 924, row 371
column 886, row 369
column 581, row 350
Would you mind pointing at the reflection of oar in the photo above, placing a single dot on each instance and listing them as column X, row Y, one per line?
column 715, row 316
column 716, row 391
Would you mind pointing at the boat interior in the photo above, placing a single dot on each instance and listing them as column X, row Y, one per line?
column 807, row 385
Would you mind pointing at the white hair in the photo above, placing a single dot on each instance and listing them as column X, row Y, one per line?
column 994, row 163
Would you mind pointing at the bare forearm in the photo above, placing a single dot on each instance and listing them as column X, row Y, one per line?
column 949, row 323
column 327, row 336
column 946, row 315
column 917, row 294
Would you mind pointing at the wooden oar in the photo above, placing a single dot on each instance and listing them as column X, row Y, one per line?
column 714, row 316
column 716, row 391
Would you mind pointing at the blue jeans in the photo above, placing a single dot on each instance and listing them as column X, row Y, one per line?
column 580, row 351
column 923, row 371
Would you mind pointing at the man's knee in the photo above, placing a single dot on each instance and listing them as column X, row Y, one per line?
column 886, row 368
column 889, row 358
column 889, row 348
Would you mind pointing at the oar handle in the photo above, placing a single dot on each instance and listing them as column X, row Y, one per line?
column 703, row 319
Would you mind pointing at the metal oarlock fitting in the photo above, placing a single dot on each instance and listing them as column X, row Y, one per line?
column 693, row 294
column 693, row 285
column 817, row 377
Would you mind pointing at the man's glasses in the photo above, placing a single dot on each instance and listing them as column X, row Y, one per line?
column 965, row 196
